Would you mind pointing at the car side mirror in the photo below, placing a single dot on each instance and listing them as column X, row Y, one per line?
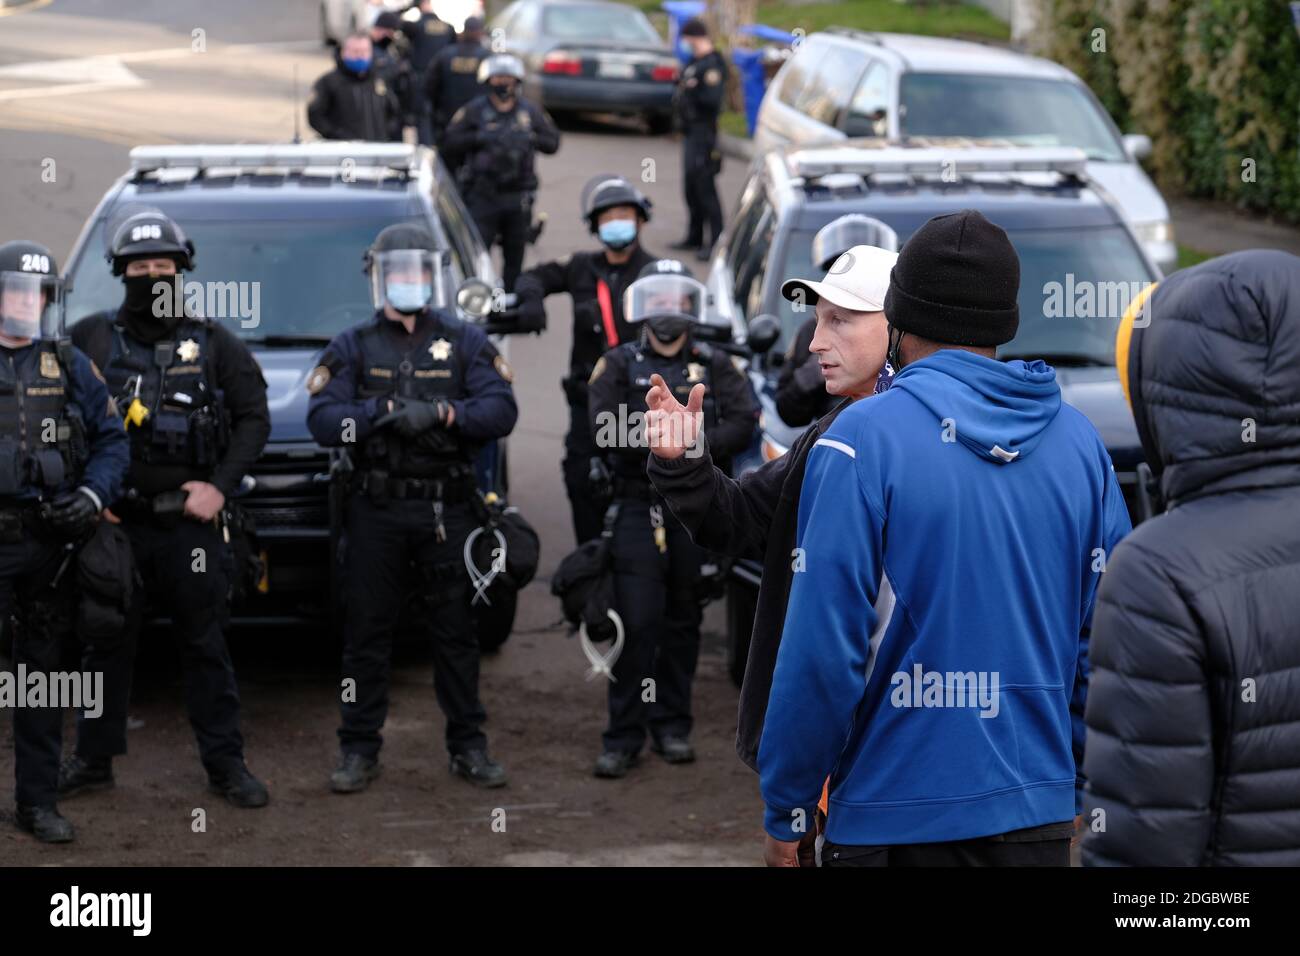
column 1137, row 145
column 474, row 298
column 763, row 332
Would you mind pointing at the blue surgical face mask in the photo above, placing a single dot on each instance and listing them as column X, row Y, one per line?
column 408, row 296
column 617, row 233
column 357, row 65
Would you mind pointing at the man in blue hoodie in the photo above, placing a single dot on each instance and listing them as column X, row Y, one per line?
column 952, row 534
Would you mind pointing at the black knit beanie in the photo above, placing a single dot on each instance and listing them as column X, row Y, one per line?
column 956, row 282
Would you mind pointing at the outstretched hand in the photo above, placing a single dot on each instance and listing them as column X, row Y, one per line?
column 672, row 428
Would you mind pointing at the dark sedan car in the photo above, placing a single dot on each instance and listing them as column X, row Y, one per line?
column 591, row 56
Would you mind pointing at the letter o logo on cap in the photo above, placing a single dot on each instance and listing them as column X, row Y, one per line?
column 842, row 265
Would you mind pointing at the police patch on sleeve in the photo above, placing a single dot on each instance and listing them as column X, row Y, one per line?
column 318, row 379
column 503, row 368
column 712, row 77
column 598, row 371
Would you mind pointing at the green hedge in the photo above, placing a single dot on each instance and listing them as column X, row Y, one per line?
column 1212, row 82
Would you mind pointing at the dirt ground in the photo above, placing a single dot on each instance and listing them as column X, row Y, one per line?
column 544, row 723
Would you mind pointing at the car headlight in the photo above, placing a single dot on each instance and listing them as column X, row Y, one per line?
column 1153, row 233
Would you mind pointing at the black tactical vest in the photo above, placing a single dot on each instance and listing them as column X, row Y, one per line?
column 505, row 164
column 186, row 431
column 42, row 436
column 682, row 372
column 434, row 367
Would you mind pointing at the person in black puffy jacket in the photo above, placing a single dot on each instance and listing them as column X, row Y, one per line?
column 1193, row 714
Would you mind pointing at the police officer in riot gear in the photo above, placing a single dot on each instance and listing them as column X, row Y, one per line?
column 452, row 80
column 698, row 100
column 62, row 458
column 353, row 101
column 494, row 140
column 656, row 565
column 801, row 396
column 194, row 404
column 412, row 395
column 392, row 63
column 426, row 37
column 615, row 212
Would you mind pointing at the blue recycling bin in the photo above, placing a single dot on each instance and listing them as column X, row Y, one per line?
column 753, row 73
column 679, row 11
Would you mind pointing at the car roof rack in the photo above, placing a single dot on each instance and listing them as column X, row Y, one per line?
column 947, row 159
column 330, row 158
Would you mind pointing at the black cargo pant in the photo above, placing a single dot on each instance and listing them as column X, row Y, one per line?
column 186, row 566
column 655, row 595
column 392, row 548
column 1047, row 845
column 41, row 618
column 698, row 182
column 579, row 448
column 509, row 216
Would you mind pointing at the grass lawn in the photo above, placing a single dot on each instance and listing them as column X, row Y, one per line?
column 1188, row 256
column 937, row 19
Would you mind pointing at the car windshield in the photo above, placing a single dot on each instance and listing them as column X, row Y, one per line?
column 1029, row 112
column 1074, row 287
column 266, row 279
column 597, row 23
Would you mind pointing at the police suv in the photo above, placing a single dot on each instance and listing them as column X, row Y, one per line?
column 1080, row 266
column 279, row 232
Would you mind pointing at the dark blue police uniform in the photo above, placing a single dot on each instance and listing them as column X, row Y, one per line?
column 410, row 504
column 43, row 384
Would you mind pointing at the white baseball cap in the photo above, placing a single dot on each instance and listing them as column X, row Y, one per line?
column 857, row 280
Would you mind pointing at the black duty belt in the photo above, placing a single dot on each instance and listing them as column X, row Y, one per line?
column 19, row 519
column 450, row 490
column 133, row 504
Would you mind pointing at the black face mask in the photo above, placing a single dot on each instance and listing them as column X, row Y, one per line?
column 138, row 309
column 502, row 91
column 668, row 330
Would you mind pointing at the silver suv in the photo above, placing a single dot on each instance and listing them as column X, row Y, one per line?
column 846, row 83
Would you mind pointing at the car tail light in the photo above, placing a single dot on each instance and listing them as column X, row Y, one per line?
column 665, row 72
column 557, row 61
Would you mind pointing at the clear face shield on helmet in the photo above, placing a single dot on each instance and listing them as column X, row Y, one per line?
column 31, row 305
column 668, row 304
column 407, row 279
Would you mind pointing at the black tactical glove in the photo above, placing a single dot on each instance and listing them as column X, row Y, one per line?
column 73, row 513
column 532, row 315
column 411, row 417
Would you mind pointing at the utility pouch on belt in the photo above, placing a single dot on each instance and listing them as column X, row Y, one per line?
column 107, row 582
column 11, row 469
column 584, row 583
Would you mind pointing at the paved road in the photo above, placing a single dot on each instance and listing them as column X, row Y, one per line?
column 80, row 82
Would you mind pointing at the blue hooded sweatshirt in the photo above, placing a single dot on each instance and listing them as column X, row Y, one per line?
column 952, row 534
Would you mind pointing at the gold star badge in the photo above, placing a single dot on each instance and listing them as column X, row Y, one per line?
column 188, row 350
column 440, row 350
column 694, row 372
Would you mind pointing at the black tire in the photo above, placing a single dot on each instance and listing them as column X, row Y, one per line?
column 742, row 601
column 660, row 124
